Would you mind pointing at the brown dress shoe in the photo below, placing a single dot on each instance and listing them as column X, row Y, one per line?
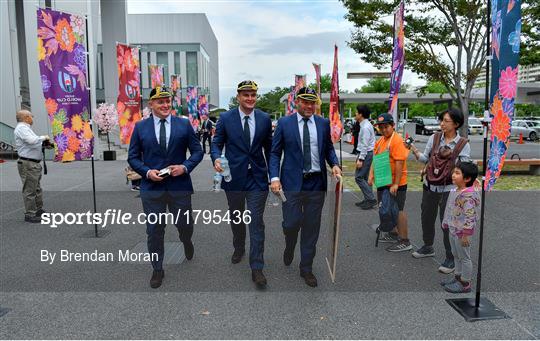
column 257, row 276
column 157, row 278
column 309, row 278
column 189, row 250
column 237, row 256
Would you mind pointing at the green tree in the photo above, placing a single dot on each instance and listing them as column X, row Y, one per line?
column 445, row 40
column 326, row 83
column 530, row 30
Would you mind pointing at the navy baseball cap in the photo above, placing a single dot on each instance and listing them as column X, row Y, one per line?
column 384, row 118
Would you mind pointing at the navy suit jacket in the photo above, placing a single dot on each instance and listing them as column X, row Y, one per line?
column 145, row 153
column 229, row 133
column 287, row 141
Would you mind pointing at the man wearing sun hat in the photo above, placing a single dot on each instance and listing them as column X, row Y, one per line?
column 164, row 140
column 246, row 134
column 304, row 141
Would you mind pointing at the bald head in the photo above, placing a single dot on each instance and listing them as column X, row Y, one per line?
column 25, row 116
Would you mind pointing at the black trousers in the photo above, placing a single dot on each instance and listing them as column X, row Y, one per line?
column 206, row 137
column 431, row 203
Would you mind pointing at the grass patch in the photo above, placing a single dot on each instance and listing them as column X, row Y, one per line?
column 507, row 182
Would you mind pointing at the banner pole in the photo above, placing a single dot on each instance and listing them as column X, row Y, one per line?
column 140, row 80
column 90, row 112
column 481, row 308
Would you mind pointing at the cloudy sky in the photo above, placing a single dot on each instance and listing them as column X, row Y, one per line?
column 269, row 41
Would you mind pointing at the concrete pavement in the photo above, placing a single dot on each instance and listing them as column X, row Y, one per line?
column 377, row 294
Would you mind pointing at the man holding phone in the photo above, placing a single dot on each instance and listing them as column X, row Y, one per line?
column 164, row 140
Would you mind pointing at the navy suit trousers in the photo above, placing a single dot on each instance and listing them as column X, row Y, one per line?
column 255, row 198
column 302, row 212
column 156, row 202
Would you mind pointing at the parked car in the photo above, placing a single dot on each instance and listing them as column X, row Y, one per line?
column 426, row 125
column 475, row 126
column 529, row 129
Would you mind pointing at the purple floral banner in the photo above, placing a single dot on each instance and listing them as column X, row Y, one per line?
column 506, row 31
column 62, row 64
column 398, row 59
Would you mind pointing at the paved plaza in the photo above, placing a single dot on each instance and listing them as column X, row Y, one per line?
column 377, row 294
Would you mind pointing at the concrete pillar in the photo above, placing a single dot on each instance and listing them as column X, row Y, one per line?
column 114, row 28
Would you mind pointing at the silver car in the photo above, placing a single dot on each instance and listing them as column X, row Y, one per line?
column 475, row 126
column 529, row 129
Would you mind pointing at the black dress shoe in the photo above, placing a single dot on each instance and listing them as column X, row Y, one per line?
column 309, row 278
column 157, row 278
column 237, row 256
column 257, row 276
column 33, row 220
column 189, row 250
column 40, row 212
column 288, row 256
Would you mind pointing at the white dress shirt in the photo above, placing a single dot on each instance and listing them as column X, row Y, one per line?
column 315, row 162
column 366, row 139
column 27, row 142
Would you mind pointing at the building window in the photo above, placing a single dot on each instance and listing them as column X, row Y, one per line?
column 162, row 58
column 177, row 63
column 191, row 68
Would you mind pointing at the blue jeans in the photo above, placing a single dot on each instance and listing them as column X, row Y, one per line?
column 361, row 177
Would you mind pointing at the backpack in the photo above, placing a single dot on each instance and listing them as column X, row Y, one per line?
column 442, row 161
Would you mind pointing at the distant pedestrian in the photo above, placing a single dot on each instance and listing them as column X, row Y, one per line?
column 366, row 143
column 29, row 148
column 443, row 150
column 460, row 219
column 354, row 132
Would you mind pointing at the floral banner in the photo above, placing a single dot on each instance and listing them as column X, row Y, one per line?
column 62, row 65
column 398, row 60
column 317, row 68
column 291, row 109
column 193, row 112
column 128, row 104
column 156, row 75
column 336, row 126
column 506, row 31
column 203, row 107
column 176, row 89
column 299, row 82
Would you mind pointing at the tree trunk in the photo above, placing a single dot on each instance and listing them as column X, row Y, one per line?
column 464, row 106
column 108, row 141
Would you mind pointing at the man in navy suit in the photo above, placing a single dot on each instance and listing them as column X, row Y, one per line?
column 161, row 142
column 304, row 141
column 207, row 134
column 246, row 134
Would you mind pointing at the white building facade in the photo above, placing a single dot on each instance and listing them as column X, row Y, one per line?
column 184, row 43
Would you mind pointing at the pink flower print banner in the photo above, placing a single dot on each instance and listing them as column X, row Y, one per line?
column 128, row 103
column 506, row 32
column 156, row 75
column 203, row 107
column 62, row 65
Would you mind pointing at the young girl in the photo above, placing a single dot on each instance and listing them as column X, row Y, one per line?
column 461, row 218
